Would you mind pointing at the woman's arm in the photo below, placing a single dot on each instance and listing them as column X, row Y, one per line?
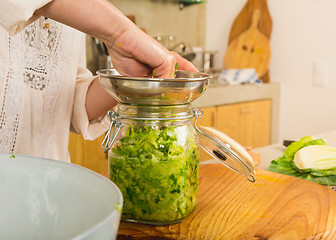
column 98, row 101
column 133, row 52
column 98, row 18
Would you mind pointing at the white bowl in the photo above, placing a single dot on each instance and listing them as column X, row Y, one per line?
column 47, row 199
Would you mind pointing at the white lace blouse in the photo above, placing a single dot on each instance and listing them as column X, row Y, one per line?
column 43, row 83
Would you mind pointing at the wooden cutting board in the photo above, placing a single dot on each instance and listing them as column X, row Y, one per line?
column 274, row 207
column 243, row 22
column 251, row 49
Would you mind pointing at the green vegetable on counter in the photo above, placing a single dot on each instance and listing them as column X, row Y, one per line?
column 319, row 160
column 310, row 159
column 156, row 170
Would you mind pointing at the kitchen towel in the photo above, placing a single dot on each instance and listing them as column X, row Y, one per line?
column 239, row 76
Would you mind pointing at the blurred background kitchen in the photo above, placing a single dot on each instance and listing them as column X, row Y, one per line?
column 295, row 96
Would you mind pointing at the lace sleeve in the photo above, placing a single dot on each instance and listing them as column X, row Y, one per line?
column 16, row 14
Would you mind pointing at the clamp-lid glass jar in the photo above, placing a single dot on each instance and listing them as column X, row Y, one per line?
column 154, row 161
column 153, row 145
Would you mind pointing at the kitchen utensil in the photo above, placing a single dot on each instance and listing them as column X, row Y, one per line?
column 103, row 58
column 154, row 152
column 105, row 48
column 186, row 87
column 204, row 60
column 185, row 50
column 251, row 49
column 243, row 21
column 286, row 143
column 48, row 199
column 98, row 45
column 276, row 206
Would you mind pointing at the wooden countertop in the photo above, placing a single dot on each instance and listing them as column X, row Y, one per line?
column 274, row 207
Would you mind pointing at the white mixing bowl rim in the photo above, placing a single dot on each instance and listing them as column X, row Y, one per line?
column 106, row 219
column 110, row 216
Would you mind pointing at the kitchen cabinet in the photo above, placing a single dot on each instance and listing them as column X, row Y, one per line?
column 208, row 119
column 249, row 123
column 87, row 153
column 219, row 95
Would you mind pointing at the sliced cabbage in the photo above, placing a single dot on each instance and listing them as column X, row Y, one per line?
column 316, row 157
column 315, row 169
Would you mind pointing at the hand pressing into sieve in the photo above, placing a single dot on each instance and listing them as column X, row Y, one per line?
column 133, row 52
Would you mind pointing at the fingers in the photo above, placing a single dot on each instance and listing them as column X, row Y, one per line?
column 167, row 68
column 138, row 69
column 131, row 67
column 140, row 55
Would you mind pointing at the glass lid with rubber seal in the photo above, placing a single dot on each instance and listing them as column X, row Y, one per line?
column 225, row 149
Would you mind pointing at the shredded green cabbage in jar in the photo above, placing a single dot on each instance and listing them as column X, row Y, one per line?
column 156, row 170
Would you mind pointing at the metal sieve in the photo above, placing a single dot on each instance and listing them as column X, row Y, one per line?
column 185, row 88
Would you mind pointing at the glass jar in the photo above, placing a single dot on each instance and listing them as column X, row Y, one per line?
column 153, row 145
column 154, row 160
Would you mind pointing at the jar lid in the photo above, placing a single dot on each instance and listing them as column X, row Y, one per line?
column 227, row 151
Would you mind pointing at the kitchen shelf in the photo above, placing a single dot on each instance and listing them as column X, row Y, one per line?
column 185, row 3
column 189, row 1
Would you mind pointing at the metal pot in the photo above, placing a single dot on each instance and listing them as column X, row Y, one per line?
column 185, row 50
column 204, row 61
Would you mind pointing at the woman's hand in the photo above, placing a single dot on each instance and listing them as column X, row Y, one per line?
column 134, row 53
